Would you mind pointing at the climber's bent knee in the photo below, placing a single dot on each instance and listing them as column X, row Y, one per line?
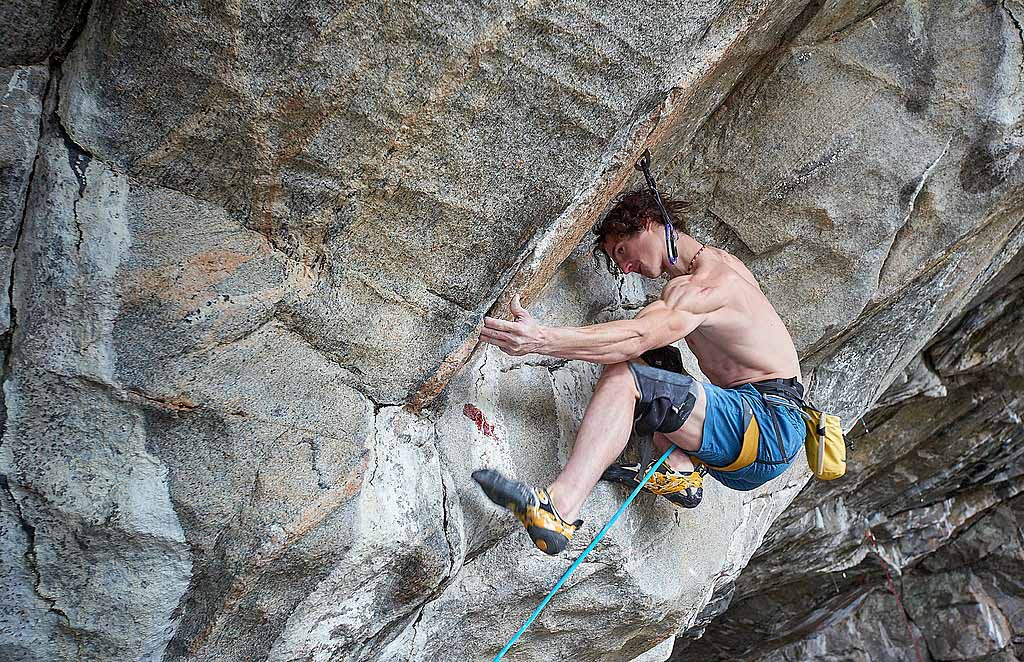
column 666, row 399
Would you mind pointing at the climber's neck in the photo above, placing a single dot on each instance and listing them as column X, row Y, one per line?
column 687, row 247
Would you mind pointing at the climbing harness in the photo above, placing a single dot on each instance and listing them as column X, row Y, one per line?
column 590, row 547
column 824, row 443
column 774, row 393
column 645, row 164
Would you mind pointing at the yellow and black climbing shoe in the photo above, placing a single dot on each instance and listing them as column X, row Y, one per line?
column 683, row 488
column 532, row 506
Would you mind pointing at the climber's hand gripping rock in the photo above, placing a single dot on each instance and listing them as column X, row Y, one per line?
column 521, row 336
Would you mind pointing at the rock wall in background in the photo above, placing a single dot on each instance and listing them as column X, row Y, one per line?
column 247, row 248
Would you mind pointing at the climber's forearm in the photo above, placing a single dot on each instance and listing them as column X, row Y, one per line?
column 655, row 326
column 612, row 342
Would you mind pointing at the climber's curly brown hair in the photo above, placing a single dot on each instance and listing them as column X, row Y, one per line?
column 629, row 215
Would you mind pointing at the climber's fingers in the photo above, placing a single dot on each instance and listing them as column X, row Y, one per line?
column 497, row 336
column 508, row 343
column 495, row 324
column 518, row 312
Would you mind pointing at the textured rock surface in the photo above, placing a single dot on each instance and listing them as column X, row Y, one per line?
column 362, row 169
column 37, row 29
column 20, row 110
column 247, row 247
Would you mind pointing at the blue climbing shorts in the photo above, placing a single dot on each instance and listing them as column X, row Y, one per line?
column 739, row 414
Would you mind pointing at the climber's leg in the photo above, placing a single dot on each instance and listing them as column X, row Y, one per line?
column 678, row 460
column 601, row 437
column 626, row 395
column 550, row 515
column 670, row 403
column 672, row 406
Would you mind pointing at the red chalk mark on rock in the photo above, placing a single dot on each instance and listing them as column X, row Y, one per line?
column 474, row 414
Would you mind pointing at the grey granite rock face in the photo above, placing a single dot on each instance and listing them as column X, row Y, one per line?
column 30, row 627
column 34, row 30
column 378, row 170
column 963, row 602
column 105, row 545
column 20, row 108
column 250, row 246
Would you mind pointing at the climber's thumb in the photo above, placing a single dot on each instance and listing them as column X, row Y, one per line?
column 518, row 312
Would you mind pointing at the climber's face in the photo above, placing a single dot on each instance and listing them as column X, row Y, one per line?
column 640, row 252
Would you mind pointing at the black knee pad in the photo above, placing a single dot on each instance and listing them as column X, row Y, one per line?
column 666, row 399
column 667, row 358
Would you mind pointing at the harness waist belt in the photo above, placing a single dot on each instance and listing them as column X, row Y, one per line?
column 789, row 390
column 751, row 442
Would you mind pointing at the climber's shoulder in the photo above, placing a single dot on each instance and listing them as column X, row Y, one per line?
column 695, row 293
column 718, row 271
column 719, row 283
column 726, row 265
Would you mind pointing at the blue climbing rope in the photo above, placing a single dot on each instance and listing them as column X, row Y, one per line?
column 590, row 547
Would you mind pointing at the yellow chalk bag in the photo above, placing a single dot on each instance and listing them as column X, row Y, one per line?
column 824, row 443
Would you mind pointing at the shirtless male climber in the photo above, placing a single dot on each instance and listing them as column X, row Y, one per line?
column 744, row 427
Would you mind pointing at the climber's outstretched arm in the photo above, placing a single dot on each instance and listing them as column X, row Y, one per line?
column 661, row 323
column 655, row 326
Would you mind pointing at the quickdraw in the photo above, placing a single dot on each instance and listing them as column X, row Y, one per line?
column 645, row 164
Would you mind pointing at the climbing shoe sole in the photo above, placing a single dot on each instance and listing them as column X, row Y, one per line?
column 532, row 506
